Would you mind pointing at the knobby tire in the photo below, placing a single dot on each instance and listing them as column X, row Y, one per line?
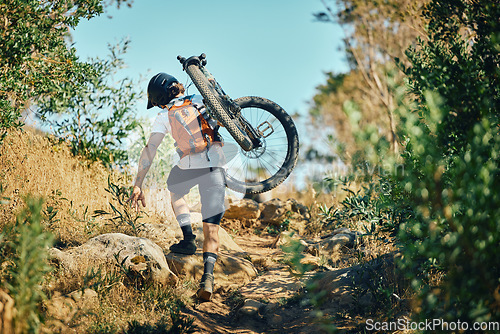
column 213, row 102
column 291, row 146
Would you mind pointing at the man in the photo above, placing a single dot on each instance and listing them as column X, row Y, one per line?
column 201, row 165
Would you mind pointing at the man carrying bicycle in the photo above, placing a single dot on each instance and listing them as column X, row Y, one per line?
column 201, row 162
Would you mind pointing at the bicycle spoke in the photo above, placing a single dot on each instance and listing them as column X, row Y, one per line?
column 259, row 166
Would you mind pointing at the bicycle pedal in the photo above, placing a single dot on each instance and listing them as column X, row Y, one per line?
column 267, row 126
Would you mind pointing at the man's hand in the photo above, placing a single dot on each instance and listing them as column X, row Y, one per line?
column 137, row 195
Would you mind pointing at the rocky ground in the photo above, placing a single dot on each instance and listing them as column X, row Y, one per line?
column 277, row 300
column 258, row 306
column 258, row 290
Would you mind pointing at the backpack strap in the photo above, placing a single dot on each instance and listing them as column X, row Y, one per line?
column 187, row 99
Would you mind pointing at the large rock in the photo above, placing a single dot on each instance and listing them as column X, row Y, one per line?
column 243, row 209
column 231, row 270
column 340, row 238
column 170, row 233
column 352, row 287
column 145, row 255
column 299, row 208
column 6, row 313
column 140, row 256
column 275, row 211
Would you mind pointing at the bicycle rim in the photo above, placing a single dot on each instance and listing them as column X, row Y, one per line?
column 263, row 168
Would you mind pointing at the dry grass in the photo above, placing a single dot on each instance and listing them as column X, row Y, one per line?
column 73, row 189
column 120, row 307
column 143, row 306
column 377, row 247
column 32, row 164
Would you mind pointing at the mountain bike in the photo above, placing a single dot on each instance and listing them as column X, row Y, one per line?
column 261, row 143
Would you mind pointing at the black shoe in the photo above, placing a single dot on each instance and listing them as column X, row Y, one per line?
column 186, row 246
column 206, row 287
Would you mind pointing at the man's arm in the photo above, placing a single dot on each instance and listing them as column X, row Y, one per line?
column 147, row 157
column 145, row 161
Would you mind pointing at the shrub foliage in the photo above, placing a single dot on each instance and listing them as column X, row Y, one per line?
column 44, row 75
column 446, row 199
column 34, row 53
column 24, row 248
column 440, row 195
column 97, row 116
column 452, row 162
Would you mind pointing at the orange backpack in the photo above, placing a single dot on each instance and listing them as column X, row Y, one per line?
column 190, row 129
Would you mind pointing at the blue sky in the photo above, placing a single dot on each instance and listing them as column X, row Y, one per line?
column 270, row 48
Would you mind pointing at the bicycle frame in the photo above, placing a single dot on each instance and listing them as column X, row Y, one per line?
column 232, row 108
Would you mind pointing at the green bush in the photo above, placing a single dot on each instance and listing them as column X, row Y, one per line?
column 443, row 204
column 34, row 56
column 45, row 76
column 25, row 245
column 455, row 229
column 122, row 213
column 452, row 164
column 459, row 61
column 97, row 116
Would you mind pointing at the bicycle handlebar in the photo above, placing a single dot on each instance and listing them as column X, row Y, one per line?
column 200, row 60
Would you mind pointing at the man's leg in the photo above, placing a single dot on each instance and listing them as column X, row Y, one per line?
column 212, row 192
column 210, row 251
column 179, row 185
column 210, row 247
column 182, row 214
column 179, row 204
column 187, row 245
column 211, row 234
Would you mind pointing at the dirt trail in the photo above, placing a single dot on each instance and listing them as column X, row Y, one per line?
column 272, row 286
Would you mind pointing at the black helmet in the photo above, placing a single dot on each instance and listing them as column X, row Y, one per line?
column 157, row 89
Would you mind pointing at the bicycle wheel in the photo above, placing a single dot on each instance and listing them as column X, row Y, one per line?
column 213, row 102
column 262, row 168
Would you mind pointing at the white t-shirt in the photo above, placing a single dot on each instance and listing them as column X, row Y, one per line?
column 192, row 160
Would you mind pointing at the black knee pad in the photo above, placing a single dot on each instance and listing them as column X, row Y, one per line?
column 214, row 219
